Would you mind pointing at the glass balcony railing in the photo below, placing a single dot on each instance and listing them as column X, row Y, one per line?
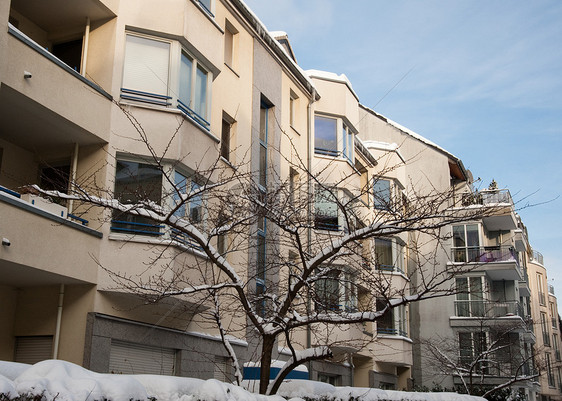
column 537, row 257
column 485, row 197
column 484, row 254
column 489, row 309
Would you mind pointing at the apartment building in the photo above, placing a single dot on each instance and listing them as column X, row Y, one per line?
column 128, row 97
column 544, row 312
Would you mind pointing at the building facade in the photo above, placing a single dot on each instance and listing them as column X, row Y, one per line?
column 129, row 98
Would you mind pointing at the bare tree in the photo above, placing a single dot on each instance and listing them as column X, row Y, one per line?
column 314, row 271
column 488, row 357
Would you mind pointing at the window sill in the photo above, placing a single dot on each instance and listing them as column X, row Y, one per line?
column 207, row 14
column 228, row 163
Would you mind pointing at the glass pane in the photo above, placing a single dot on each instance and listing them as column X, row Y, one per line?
column 196, row 205
column 263, row 166
column 472, row 237
column 325, row 134
column 260, row 273
column 263, row 124
column 200, row 106
column 383, row 253
column 381, row 194
column 326, row 210
column 345, row 145
column 181, row 185
column 459, row 240
column 186, row 68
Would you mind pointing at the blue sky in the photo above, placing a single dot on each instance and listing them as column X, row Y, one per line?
column 481, row 78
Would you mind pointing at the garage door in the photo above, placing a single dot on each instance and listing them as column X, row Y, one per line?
column 131, row 358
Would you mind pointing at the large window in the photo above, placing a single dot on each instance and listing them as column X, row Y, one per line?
column 466, row 243
column 382, row 194
column 470, row 297
column 136, row 182
column 389, row 255
column 333, row 138
column 472, row 346
column 337, row 292
column 325, row 210
column 150, row 76
column 394, row 321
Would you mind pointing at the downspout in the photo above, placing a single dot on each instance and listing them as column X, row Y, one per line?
column 85, row 47
column 310, row 116
column 58, row 324
column 72, row 178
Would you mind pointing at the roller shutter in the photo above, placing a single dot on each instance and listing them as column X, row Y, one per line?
column 33, row 349
column 131, row 358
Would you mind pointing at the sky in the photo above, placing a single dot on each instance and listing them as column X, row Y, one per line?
column 480, row 78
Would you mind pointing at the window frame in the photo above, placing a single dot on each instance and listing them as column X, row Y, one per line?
column 342, row 145
column 397, row 250
column 188, row 103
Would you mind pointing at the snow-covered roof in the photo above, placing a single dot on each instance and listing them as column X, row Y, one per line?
column 333, row 77
column 279, row 49
column 415, row 135
column 385, row 146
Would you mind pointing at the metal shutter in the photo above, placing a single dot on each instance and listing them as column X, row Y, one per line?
column 131, row 358
column 221, row 369
column 33, row 349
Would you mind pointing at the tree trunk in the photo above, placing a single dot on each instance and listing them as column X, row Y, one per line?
column 265, row 362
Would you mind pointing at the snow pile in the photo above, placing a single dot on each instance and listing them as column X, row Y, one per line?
column 64, row 381
column 296, row 389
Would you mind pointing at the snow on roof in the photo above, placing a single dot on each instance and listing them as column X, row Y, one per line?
column 385, row 146
column 410, row 132
column 333, row 77
column 264, row 33
column 278, row 34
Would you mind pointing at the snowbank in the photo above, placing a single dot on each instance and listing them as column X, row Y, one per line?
column 65, row 381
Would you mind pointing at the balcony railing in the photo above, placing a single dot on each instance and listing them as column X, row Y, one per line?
column 484, row 254
column 486, row 197
column 488, row 309
column 551, row 289
column 537, row 257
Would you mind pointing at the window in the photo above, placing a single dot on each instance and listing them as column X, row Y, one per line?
column 337, row 292
column 466, row 243
column 472, row 346
column 382, row 195
column 325, row 136
column 394, row 321
column 230, row 45
column 332, row 137
column 540, row 287
column 348, row 144
column 206, row 4
column 551, row 382
column 150, row 76
column 389, row 255
column 293, row 104
column 325, row 210
column 556, row 346
column 334, row 380
column 226, row 133
column 263, row 137
column 192, row 210
column 135, row 182
column 470, row 297
column 545, row 332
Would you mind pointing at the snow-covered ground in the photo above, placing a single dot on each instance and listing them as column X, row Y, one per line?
column 65, row 381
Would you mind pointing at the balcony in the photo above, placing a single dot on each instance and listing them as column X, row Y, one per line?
column 501, row 215
column 45, row 246
column 488, row 309
column 537, row 258
column 44, row 100
column 499, row 262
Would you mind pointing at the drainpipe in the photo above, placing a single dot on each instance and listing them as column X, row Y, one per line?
column 73, row 168
column 85, row 47
column 310, row 116
column 58, row 324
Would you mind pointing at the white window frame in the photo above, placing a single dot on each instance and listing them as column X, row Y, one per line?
column 345, row 139
column 171, row 99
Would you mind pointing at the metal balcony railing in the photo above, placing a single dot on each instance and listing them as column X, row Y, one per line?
column 551, row 289
column 485, row 197
column 484, row 254
column 537, row 257
column 488, row 309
